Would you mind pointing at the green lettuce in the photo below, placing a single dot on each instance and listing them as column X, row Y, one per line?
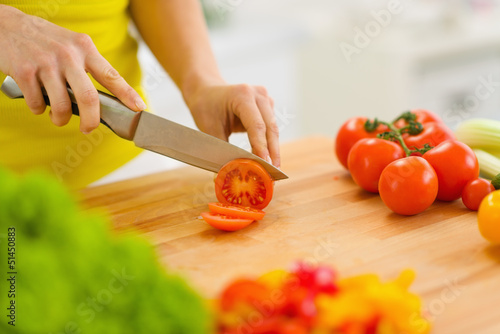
column 73, row 275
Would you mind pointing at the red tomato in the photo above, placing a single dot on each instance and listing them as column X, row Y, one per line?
column 269, row 325
column 244, row 182
column 349, row 133
column 225, row 223
column 236, row 211
column 280, row 325
column 408, row 186
column 368, row 158
column 244, row 291
column 455, row 164
column 422, row 116
column 433, row 134
column 474, row 192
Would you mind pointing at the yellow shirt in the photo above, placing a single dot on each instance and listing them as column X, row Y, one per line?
column 32, row 142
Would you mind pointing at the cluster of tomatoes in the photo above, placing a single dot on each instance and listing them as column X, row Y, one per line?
column 410, row 162
column 243, row 188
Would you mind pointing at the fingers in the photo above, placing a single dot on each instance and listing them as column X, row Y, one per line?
column 60, row 103
column 107, row 76
column 86, row 98
column 29, row 85
column 257, row 116
column 51, row 57
column 252, row 120
column 272, row 131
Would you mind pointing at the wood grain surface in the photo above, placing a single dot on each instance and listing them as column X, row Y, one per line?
column 318, row 214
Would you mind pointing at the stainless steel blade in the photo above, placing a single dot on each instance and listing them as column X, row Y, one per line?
column 191, row 146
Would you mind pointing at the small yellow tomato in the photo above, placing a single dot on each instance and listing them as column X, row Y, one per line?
column 488, row 217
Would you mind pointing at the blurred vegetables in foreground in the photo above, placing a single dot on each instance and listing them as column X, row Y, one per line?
column 75, row 277
column 314, row 300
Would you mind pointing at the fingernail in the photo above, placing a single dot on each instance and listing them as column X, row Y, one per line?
column 268, row 159
column 139, row 103
column 86, row 132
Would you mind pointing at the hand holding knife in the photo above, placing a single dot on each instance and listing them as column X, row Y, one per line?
column 160, row 135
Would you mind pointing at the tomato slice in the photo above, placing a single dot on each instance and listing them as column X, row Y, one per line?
column 244, row 182
column 236, row 211
column 225, row 223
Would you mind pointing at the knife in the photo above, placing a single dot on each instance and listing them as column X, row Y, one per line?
column 160, row 135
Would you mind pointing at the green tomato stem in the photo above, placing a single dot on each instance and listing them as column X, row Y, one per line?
column 412, row 128
column 395, row 134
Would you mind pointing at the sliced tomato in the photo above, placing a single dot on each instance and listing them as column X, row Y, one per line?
column 225, row 223
column 236, row 211
column 244, row 182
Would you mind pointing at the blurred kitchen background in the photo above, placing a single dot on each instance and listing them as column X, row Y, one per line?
column 324, row 61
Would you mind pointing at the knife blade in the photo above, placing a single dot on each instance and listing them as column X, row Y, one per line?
column 160, row 135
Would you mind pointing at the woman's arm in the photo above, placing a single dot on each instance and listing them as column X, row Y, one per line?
column 176, row 33
column 37, row 53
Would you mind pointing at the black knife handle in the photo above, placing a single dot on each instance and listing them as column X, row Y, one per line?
column 114, row 114
column 74, row 108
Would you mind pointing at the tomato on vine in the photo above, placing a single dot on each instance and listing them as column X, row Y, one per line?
column 408, row 186
column 349, row 133
column 417, row 115
column 368, row 158
column 455, row 164
column 432, row 134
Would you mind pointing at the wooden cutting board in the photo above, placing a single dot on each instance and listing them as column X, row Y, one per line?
column 320, row 215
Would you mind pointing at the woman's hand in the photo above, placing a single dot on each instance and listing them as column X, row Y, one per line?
column 37, row 53
column 176, row 33
column 220, row 109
